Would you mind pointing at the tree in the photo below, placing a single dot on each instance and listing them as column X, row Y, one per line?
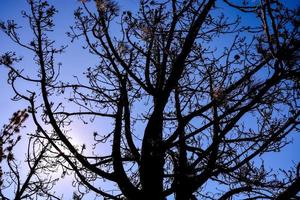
column 186, row 108
column 10, row 175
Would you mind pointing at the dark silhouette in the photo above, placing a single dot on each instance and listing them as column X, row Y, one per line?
column 35, row 183
column 195, row 96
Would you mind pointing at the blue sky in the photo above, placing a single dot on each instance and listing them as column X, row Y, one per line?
column 75, row 60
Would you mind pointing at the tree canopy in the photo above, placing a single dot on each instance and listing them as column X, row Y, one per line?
column 194, row 94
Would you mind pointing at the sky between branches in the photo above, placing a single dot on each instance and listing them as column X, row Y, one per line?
column 74, row 61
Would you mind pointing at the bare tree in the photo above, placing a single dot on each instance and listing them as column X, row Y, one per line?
column 35, row 183
column 195, row 96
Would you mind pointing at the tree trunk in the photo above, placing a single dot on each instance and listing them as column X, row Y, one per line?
column 152, row 160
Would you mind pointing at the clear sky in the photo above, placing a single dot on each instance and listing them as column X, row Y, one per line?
column 75, row 60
